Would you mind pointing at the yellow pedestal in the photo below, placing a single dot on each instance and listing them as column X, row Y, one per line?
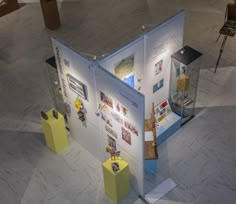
column 116, row 184
column 55, row 132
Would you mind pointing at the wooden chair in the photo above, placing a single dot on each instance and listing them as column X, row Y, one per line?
column 228, row 29
column 151, row 146
column 230, row 16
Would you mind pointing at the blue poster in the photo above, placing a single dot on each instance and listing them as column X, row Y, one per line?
column 158, row 85
column 129, row 80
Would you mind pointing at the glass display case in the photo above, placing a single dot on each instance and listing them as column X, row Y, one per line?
column 185, row 67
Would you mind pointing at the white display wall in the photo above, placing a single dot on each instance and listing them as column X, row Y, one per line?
column 125, row 126
column 132, row 146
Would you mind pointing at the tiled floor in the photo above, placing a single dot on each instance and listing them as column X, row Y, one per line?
column 200, row 157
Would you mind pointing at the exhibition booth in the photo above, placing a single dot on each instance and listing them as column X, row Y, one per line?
column 122, row 103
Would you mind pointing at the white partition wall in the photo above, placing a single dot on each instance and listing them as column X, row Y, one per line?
column 160, row 44
column 114, row 111
column 76, row 68
column 151, row 59
column 128, row 126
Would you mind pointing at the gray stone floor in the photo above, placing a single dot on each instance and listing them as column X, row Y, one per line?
column 200, row 157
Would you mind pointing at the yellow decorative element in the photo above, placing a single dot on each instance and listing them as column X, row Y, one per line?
column 116, row 184
column 55, row 132
column 161, row 117
column 78, row 104
column 183, row 83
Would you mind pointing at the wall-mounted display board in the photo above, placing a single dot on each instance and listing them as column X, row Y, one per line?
column 148, row 58
column 109, row 99
column 121, row 121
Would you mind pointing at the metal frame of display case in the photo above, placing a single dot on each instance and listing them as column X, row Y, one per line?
column 184, row 81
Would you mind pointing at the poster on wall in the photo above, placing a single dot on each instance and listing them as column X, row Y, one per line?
column 111, row 142
column 117, row 117
column 158, row 85
column 124, row 70
column 106, row 99
column 121, row 109
column 67, row 108
column 129, row 80
column 106, row 119
column 77, row 87
column 126, row 136
column 131, row 127
column 158, row 67
column 112, row 132
column 104, row 108
column 162, row 110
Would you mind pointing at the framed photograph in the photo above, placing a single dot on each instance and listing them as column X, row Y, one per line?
column 110, row 131
column 106, row 99
column 129, row 80
column 106, row 119
column 124, row 68
column 117, row 117
column 158, row 85
column 158, row 67
column 77, row 87
column 121, row 109
column 111, row 142
column 162, row 110
column 67, row 108
column 131, row 127
column 104, row 108
column 126, row 136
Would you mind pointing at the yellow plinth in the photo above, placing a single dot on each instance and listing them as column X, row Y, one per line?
column 55, row 132
column 116, row 184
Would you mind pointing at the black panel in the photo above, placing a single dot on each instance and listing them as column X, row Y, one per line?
column 186, row 55
column 52, row 61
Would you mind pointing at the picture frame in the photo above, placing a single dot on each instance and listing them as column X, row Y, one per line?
column 158, row 85
column 77, row 87
column 126, row 135
column 111, row 142
column 158, row 67
column 106, row 99
column 125, row 67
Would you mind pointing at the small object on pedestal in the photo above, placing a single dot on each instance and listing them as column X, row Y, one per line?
column 115, row 167
column 44, row 115
column 113, row 153
column 55, row 114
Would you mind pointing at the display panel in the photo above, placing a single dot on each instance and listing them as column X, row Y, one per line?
column 124, row 107
column 77, row 84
